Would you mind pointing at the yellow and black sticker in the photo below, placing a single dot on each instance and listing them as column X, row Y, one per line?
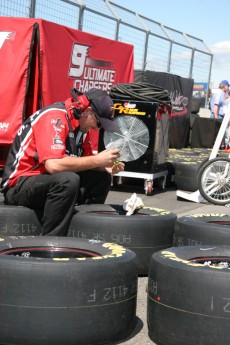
column 172, row 256
column 159, row 211
column 115, row 251
column 207, row 215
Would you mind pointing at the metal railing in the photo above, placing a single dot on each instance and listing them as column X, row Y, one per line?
column 156, row 47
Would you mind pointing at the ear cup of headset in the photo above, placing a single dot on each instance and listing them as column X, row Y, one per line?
column 83, row 102
column 80, row 104
column 76, row 113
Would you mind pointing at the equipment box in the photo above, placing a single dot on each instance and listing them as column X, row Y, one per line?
column 143, row 137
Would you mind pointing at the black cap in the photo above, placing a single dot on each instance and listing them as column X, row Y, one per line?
column 103, row 106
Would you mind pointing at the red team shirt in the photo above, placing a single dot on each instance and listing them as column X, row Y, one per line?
column 42, row 136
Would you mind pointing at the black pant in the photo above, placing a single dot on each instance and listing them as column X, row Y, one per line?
column 57, row 194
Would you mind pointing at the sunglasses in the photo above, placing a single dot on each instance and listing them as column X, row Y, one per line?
column 99, row 125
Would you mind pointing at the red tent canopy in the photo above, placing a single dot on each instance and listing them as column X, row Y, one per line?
column 41, row 61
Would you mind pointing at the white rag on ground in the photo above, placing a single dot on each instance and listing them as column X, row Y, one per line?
column 132, row 204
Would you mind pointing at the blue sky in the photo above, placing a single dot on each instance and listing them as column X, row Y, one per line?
column 205, row 19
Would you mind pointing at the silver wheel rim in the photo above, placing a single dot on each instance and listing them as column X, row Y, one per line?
column 215, row 181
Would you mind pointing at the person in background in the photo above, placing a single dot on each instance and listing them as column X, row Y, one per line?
column 218, row 100
column 217, row 104
column 209, row 99
column 45, row 168
column 227, row 133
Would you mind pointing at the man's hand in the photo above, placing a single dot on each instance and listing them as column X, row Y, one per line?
column 107, row 158
column 100, row 161
column 116, row 168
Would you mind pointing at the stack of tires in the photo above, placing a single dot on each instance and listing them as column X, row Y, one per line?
column 187, row 163
column 145, row 232
column 71, row 290
column 56, row 290
column 188, row 284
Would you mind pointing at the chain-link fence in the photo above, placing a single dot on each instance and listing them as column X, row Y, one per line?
column 156, row 47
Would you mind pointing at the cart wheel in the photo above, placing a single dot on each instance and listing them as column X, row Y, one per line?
column 162, row 182
column 116, row 181
column 149, row 187
column 214, row 181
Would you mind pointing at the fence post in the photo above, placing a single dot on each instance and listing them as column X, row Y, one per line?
column 32, row 8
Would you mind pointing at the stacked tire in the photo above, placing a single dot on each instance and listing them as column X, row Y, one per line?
column 201, row 229
column 19, row 221
column 188, row 301
column 56, row 291
column 145, row 232
column 187, row 163
column 188, row 296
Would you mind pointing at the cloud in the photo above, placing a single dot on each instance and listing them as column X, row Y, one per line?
column 221, row 61
column 221, row 52
column 220, row 48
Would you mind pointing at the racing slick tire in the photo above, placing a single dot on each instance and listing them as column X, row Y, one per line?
column 188, row 298
column 144, row 232
column 58, row 290
column 199, row 229
column 186, row 175
column 19, row 221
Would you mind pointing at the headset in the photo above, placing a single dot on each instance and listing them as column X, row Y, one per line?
column 80, row 103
